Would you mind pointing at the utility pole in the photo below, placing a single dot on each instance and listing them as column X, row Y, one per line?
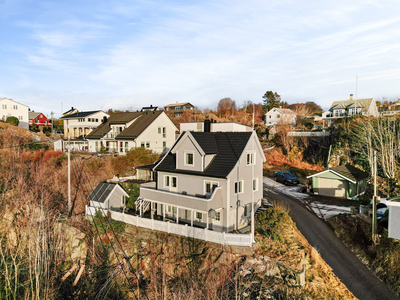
column 52, row 123
column 374, row 204
column 253, row 115
column 69, row 177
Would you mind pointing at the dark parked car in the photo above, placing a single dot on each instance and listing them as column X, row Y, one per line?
column 286, row 178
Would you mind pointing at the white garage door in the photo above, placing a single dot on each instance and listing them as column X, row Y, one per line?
column 332, row 187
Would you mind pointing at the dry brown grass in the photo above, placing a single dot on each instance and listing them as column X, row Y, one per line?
column 293, row 250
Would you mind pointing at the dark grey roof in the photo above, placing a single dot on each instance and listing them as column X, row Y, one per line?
column 101, row 191
column 227, row 147
column 364, row 104
column 117, row 118
column 81, row 114
column 350, row 172
column 137, row 127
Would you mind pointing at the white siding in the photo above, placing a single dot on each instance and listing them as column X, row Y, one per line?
column 394, row 219
column 9, row 108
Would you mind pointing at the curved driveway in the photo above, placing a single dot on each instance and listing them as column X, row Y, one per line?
column 350, row 270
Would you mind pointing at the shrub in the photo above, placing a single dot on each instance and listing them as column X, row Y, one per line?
column 12, row 120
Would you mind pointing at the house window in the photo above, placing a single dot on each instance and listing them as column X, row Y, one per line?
column 97, row 120
column 239, row 187
column 36, row 121
column 164, row 132
column 15, row 106
column 126, row 146
column 247, row 209
column 255, row 184
column 189, row 159
column 269, row 116
column 199, row 215
column 278, row 116
column 159, row 129
column 20, row 118
column 142, row 144
column 147, row 144
column 218, row 216
column 250, row 159
column 210, row 186
column 164, row 144
column 4, row 106
column 171, row 181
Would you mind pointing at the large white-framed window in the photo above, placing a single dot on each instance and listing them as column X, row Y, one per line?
column 255, row 184
column 199, row 215
column 239, row 187
column 250, row 158
column 189, row 159
column 170, row 181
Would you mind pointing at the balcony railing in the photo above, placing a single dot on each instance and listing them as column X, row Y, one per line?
column 194, row 202
column 183, row 230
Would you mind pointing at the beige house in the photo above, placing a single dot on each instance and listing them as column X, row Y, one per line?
column 122, row 132
column 349, row 108
column 210, row 125
column 81, row 123
column 280, row 116
column 177, row 109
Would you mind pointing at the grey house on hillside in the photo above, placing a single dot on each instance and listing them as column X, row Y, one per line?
column 208, row 180
column 341, row 181
column 349, row 108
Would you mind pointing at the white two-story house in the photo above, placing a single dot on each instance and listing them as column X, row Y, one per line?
column 280, row 116
column 122, row 132
column 12, row 108
column 81, row 123
column 208, row 180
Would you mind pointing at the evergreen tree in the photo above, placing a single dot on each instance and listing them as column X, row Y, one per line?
column 272, row 100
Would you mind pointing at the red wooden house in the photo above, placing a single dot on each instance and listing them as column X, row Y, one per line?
column 39, row 119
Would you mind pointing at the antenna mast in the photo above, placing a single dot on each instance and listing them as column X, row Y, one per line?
column 355, row 99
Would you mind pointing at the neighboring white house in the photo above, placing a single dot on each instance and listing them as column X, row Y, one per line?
column 10, row 108
column 280, row 116
column 349, row 108
column 122, row 132
column 394, row 219
column 81, row 123
column 208, row 180
column 214, row 127
column 107, row 195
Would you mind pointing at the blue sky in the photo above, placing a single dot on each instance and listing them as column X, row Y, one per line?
column 128, row 54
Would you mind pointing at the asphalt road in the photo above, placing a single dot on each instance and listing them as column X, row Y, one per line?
column 347, row 267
